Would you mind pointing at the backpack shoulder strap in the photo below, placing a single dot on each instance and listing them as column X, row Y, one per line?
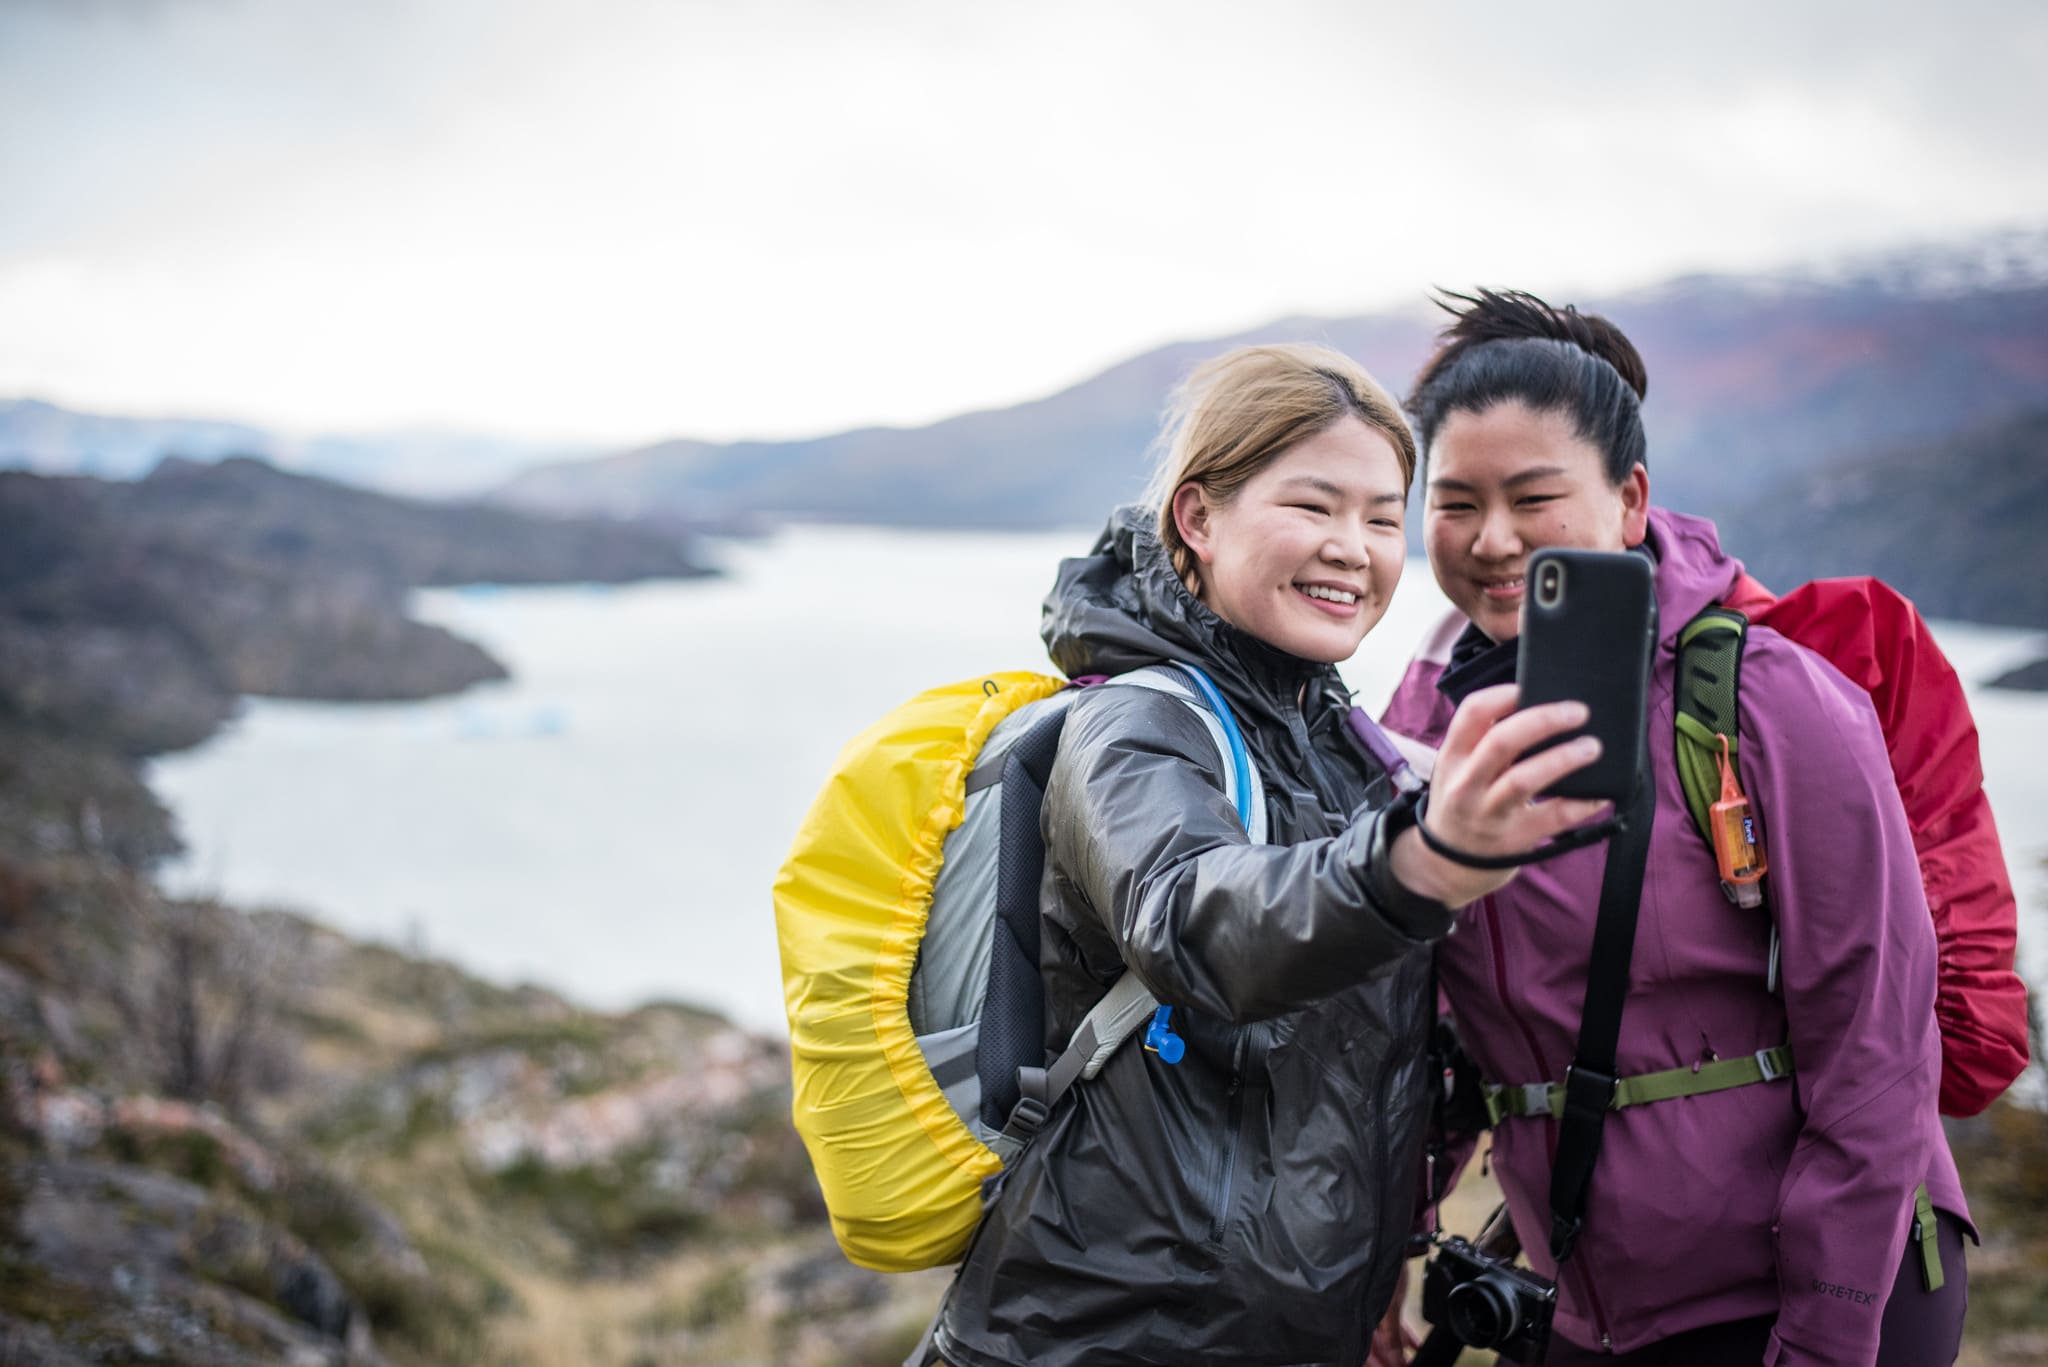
column 1129, row 1004
column 1708, row 692
column 1708, row 697
column 1199, row 692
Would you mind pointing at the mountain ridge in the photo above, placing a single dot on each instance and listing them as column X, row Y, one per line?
column 1751, row 379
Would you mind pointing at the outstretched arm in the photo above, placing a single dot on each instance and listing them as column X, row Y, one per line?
column 1138, row 821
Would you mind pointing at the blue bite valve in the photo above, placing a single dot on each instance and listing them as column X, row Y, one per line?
column 1160, row 1039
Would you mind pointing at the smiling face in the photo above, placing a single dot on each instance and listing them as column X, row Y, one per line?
column 1307, row 554
column 1507, row 482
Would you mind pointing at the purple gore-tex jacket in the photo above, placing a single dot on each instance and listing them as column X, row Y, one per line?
column 1791, row 1197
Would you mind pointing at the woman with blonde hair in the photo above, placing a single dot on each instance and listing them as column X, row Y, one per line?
column 1251, row 1202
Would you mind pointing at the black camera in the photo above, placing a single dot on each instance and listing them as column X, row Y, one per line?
column 1488, row 1302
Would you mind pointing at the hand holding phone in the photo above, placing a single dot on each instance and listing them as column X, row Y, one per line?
column 1482, row 820
column 1574, row 729
column 1589, row 628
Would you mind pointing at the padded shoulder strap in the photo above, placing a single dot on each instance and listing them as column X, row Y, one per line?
column 1128, row 1004
column 1708, row 690
column 1190, row 685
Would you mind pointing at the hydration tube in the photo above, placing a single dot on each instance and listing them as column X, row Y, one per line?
column 1380, row 747
column 1240, row 762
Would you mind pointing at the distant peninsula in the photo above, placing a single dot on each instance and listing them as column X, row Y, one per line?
column 133, row 615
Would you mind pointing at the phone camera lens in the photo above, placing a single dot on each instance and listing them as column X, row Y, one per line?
column 1550, row 585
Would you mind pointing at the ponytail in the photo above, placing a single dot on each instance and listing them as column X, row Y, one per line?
column 1507, row 346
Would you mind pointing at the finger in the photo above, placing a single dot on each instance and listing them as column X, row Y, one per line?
column 1524, row 780
column 1561, row 814
column 1546, row 820
column 1477, row 714
column 1513, row 736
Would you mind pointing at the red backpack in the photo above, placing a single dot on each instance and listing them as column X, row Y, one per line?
column 1876, row 638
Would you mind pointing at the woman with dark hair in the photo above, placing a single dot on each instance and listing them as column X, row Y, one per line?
column 1782, row 1217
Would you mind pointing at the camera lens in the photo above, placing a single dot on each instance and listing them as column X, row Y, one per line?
column 1550, row 585
column 1484, row 1312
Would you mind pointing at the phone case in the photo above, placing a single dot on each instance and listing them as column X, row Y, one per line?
column 1593, row 642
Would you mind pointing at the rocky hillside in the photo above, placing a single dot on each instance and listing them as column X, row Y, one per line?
column 231, row 1140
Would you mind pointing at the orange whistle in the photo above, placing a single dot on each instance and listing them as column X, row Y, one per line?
column 1736, row 847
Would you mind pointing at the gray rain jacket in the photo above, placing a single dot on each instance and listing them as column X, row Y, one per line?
column 1252, row 1203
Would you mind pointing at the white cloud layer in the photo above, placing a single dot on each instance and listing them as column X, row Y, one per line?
column 634, row 218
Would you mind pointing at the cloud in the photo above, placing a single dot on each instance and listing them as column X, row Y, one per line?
column 633, row 217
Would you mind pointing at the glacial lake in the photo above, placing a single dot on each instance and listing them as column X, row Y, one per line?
column 608, row 822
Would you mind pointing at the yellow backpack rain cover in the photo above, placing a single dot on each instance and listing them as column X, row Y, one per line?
column 901, row 1171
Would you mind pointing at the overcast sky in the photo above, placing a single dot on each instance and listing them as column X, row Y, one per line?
column 627, row 219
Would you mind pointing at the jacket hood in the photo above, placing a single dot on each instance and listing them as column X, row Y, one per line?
column 1122, row 607
column 1693, row 572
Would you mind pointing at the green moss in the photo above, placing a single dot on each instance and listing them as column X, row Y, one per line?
column 535, row 1039
column 426, row 1116
column 397, row 979
column 28, row 1292
column 475, row 1279
column 324, row 1211
column 719, row 1299
column 356, row 1116
column 2008, row 1298
column 229, row 1257
column 191, row 1154
column 610, row 1212
column 321, row 1026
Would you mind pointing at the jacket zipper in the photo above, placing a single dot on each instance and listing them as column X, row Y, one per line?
column 1226, row 1175
column 1500, row 985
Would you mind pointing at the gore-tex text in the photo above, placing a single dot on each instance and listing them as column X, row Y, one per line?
column 1842, row 1293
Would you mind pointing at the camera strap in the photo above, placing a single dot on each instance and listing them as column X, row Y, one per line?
column 1590, row 1083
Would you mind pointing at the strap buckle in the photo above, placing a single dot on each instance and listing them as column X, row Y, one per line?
column 1564, row 1236
column 1518, row 1099
column 1767, row 1064
column 1588, row 1091
column 1026, row 1117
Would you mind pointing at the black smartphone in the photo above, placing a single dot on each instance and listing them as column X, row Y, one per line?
column 1589, row 629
